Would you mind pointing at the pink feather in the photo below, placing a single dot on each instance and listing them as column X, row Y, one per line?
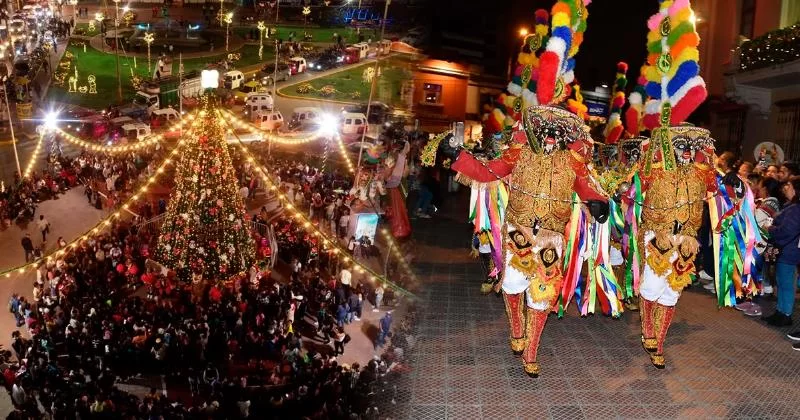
column 654, row 21
column 677, row 6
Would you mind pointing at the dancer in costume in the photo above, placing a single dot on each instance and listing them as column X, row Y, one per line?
column 528, row 195
column 678, row 171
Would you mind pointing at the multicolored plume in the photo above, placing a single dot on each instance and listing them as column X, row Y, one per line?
column 635, row 112
column 576, row 106
column 614, row 128
column 523, row 82
column 557, row 63
column 673, row 76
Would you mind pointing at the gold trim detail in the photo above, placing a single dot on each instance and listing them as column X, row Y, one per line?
column 650, row 344
column 517, row 345
column 658, row 360
column 532, row 368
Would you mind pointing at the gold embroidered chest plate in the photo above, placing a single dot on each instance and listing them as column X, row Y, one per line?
column 674, row 196
column 546, row 181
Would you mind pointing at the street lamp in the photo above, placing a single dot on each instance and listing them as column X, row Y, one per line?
column 11, row 124
column 228, row 20
column 149, row 37
column 116, row 48
column 523, row 32
column 261, row 28
column 306, row 12
column 372, row 88
column 99, row 18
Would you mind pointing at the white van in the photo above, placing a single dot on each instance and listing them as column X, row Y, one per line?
column 363, row 49
column 305, row 118
column 268, row 120
column 354, row 123
column 258, row 101
column 233, row 79
column 135, row 131
column 166, row 116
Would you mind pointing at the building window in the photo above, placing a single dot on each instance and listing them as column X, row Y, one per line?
column 790, row 13
column 788, row 128
column 433, row 93
column 748, row 18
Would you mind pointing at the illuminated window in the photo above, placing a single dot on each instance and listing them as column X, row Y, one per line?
column 790, row 13
column 433, row 93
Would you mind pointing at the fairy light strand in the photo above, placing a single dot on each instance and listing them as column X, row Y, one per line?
column 101, row 225
column 305, row 222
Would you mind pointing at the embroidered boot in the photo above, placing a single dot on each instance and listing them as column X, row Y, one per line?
column 662, row 320
column 533, row 331
column 515, row 310
column 646, row 313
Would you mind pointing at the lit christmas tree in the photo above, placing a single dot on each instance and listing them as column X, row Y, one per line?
column 205, row 236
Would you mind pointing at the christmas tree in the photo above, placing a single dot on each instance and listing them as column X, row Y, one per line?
column 205, row 236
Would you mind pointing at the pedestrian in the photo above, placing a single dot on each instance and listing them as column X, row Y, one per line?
column 385, row 324
column 339, row 341
column 44, row 227
column 27, row 245
column 378, row 298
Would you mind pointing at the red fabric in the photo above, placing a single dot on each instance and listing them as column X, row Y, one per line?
column 401, row 226
column 581, row 185
column 215, row 295
column 469, row 166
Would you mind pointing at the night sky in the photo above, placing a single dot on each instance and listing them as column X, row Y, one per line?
column 616, row 31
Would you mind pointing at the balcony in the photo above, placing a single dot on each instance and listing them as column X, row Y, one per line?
column 763, row 66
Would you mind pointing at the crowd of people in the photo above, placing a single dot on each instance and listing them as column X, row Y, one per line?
column 776, row 189
column 251, row 346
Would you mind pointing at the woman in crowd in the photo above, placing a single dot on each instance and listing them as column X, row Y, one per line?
column 784, row 236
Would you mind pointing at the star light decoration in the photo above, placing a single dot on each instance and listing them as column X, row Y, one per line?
column 149, row 37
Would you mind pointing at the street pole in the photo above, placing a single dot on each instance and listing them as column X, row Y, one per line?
column 358, row 28
column 372, row 90
column 116, row 48
column 180, row 85
column 11, row 126
column 278, row 11
column 275, row 72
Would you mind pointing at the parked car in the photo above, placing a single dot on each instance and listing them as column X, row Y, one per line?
column 233, row 79
column 324, row 62
column 297, row 65
column 240, row 95
column 353, row 123
column 305, row 118
column 268, row 120
column 378, row 111
column 267, row 73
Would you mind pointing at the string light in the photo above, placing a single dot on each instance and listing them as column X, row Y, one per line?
column 304, row 221
column 272, row 138
column 343, row 152
column 35, row 156
column 97, row 228
column 145, row 142
column 400, row 257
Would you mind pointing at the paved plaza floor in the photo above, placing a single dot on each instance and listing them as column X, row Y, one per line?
column 720, row 364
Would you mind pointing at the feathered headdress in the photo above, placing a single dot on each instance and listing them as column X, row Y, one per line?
column 636, row 99
column 523, row 82
column 557, row 63
column 614, row 128
column 673, row 76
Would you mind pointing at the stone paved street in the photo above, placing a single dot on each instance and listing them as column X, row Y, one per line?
column 720, row 364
